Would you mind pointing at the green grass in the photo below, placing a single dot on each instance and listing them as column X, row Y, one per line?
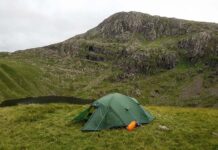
column 18, row 79
column 51, row 127
column 166, row 41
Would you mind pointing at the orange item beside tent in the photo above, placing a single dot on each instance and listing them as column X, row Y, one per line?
column 131, row 125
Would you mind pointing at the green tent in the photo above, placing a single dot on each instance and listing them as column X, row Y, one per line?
column 113, row 110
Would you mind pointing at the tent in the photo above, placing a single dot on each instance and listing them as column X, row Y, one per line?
column 113, row 110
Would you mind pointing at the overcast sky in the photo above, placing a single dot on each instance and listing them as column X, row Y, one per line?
column 32, row 23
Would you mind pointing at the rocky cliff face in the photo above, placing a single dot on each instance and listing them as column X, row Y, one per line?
column 199, row 45
column 123, row 24
column 138, row 42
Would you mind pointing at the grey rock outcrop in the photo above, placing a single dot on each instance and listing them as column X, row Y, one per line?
column 123, row 25
column 197, row 45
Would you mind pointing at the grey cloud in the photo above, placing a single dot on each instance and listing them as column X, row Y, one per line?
column 23, row 26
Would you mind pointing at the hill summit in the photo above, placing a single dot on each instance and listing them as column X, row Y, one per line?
column 139, row 42
column 123, row 24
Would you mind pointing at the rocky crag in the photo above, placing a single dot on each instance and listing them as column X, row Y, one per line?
column 140, row 42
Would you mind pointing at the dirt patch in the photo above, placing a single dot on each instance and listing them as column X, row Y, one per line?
column 193, row 89
column 213, row 91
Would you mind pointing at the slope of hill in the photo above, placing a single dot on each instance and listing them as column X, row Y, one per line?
column 50, row 127
column 184, row 85
column 158, row 60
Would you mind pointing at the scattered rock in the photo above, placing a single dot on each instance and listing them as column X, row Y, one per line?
column 215, row 134
column 194, row 89
column 137, row 92
column 164, row 128
column 155, row 93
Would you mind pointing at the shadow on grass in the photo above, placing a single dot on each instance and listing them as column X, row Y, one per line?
column 45, row 100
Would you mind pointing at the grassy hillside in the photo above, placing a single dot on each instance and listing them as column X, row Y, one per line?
column 23, row 77
column 51, row 127
column 184, row 85
column 19, row 79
